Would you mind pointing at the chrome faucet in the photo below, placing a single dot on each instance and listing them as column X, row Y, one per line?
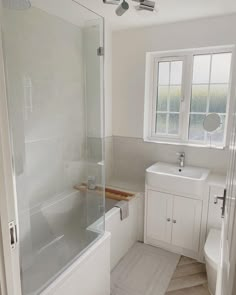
column 181, row 159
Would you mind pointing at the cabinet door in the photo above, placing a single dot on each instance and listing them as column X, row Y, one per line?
column 186, row 223
column 159, row 216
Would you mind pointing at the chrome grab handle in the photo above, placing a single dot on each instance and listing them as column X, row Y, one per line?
column 224, row 201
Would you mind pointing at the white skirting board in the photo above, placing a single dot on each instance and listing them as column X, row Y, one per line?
column 88, row 275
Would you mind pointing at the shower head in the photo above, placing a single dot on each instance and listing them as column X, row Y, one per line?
column 16, row 4
column 122, row 8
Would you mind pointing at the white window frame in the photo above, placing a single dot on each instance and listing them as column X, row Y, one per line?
column 157, row 60
column 151, row 80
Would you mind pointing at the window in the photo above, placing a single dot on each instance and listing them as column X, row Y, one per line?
column 169, row 89
column 210, row 88
column 181, row 89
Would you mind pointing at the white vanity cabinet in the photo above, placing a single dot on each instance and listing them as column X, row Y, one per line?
column 181, row 207
column 172, row 220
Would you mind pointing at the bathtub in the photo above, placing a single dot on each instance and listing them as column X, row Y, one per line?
column 89, row 273
column 60, row 239
column 124, row 233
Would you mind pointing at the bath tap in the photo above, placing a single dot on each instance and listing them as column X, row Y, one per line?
column 181, row 158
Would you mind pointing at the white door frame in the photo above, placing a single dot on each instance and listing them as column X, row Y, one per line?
column 8, row 212
column 3, row 290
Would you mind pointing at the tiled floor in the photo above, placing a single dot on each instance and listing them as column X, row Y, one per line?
column 189, row 278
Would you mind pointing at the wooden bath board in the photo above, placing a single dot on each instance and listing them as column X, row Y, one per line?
column 110, row 193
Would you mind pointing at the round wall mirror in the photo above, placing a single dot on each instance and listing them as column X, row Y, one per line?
column 212, row 122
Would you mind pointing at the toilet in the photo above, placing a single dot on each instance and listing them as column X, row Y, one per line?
column 212, row 257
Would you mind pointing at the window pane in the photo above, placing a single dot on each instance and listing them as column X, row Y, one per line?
column 164, row 73
column 196, row 131
column 175, row 94
column 201, row 69
column 162, row 97
column 221, row 68
column 173, row 124
column 218, row 98
column 176, row 73
column 199, row 98
column 161, row 123
column 218, row 136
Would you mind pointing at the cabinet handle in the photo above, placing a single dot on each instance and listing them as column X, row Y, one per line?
column 174, row 221
column 168, row 219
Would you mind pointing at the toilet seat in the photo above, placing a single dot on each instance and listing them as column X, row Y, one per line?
column 212, row 247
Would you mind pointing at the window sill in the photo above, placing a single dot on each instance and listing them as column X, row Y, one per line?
column 182, row 143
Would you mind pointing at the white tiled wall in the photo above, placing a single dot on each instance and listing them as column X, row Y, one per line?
column 131, row 157
column 45, row 59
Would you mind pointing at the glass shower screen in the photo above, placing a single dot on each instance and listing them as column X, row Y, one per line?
column 54, row 75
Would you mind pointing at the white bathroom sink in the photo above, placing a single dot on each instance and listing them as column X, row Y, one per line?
column 174, row 170
column 174, row 179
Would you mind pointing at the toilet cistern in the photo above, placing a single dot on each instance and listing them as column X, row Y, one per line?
column 181, row 158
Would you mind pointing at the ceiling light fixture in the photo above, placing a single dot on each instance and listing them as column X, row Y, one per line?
column 148, row 5
column 122, row 8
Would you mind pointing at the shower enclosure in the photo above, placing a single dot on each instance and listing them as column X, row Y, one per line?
column 53, row 62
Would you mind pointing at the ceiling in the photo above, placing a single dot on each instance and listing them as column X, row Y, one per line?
column 168, row 11
column 66, row 9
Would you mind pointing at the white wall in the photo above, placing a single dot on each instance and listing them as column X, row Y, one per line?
column 129, row 52
column 44, row 62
